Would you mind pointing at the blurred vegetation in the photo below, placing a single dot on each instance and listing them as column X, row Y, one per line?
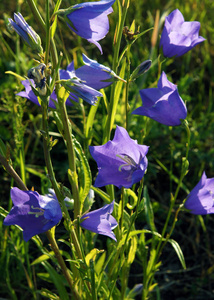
column 20, row 123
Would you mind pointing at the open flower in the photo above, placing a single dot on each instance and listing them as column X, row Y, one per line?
column 34, row 213
column 178, row 36
column 121, row 162
column 200, row 200
column 90, row 20
column 100, row 221
column 162, row 104
column 26, row 32
column 96, row 75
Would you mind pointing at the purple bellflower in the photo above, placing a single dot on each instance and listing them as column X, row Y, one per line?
column 162, row 104
column 79, row 90
column 23, row 29
column 178, row 36
column 96, row 75
column 90, row 20
column 121, row 162
column 34, row 213
column 100, row 221
column 200, row 200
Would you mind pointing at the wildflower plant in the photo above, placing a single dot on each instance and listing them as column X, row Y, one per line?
column 110, row 199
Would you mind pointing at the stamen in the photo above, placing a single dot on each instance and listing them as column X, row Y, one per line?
column 37, row 214
column 129, row 161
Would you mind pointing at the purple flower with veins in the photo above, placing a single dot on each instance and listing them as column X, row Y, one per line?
column 96, row 75
column 200, row 200
column 26, row 32
column 100, row 221
column 90, row 20
column 162, row 104
column 121, row 162
column 178, row 36
column 34, row 213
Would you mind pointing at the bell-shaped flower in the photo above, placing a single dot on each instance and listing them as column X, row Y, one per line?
column 200, row 200
column 89, row 20
column 96, row 75
column 162, row 104
column 121, row 162
column 23, row 29
column 34, row 213
column 178, row 36
column 100, row 221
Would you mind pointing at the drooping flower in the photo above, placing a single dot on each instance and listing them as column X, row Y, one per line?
column 34, row 213
column 96, row 75
column 162, row 104
column 200, row 200
column 89, row 20
column 26, row 32
column 80, row 90
column 178, row 36
column 100, row 221
column 121, row 162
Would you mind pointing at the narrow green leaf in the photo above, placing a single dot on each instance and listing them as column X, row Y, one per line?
column 84, row 175
column 100, row 263
column 58, row 280
column 117, row 92
column 178, row 251
column 148, row 210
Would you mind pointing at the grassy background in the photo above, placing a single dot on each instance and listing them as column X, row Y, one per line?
column 20, row 122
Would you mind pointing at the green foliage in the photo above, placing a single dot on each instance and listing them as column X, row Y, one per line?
column 102, row 272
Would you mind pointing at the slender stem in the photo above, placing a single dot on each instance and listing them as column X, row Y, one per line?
column 121, row 220
column 110, row 118
column 46, row 146
column 62, row 264
column 123, row 248
column 12, row 173
column 38, row 18
column 162, row 243
column 73, row 177
column 127, row 88
column 47, row 45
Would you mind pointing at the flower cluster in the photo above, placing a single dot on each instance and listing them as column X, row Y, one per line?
column 122, row 161
column 82, row 83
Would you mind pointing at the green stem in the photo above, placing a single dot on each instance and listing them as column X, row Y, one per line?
column 121, row 251
column 46, row 147
column 62, row 264
column 12, row 173
column 38, row 18
column 110, row 119
column 47, row 44
column 127, row 87
column 164, row 239
column 73, row 177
